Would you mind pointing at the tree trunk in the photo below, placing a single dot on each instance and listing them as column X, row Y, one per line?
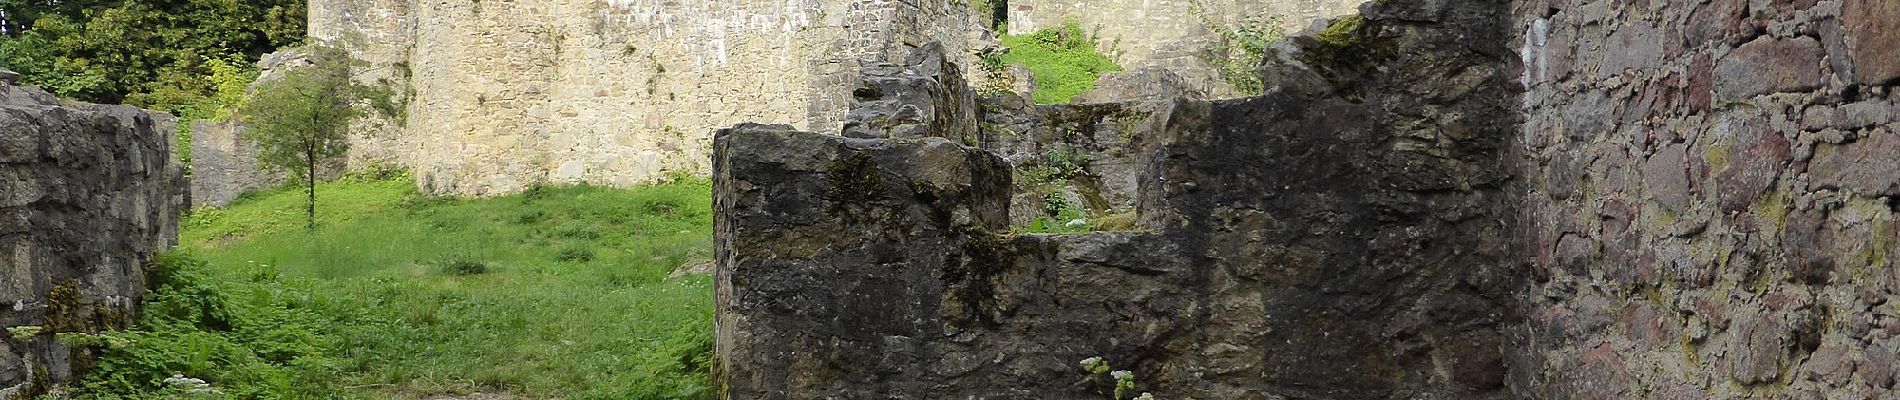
column 310, row 176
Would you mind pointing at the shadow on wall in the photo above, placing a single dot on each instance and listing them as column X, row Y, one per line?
column 1345, row 236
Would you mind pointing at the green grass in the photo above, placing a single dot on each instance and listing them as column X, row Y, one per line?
column 559, row 292
column 1065, row 61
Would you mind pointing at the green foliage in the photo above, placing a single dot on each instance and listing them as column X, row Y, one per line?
column 1123, row 381
column 301, row 121
column 1057, row 165
column 1241, row 48
column 373, row 304
column 1060, row 216
column 995, row 13
column 1065, row 61
column 154, row 54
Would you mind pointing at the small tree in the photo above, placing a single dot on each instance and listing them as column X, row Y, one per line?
column 301, row 121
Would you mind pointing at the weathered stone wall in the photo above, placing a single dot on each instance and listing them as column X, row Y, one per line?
column 1710, row 198
column 1342, row 237
column 505, row 94
column 224, row 165
column 88, row 193
column 1172, row 34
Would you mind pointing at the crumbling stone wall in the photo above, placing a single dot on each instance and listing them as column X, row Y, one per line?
column 505, row 94
column 88, row 193
column 224, row 165
column 1342, row 237
column 1170, row 34
column 1710, row 196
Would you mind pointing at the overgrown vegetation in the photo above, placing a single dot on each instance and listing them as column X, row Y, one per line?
column 1241, row 47
column 398, row 295
column 301, row 122
column 192, row 58
column 1065, row 61
column 153, row 54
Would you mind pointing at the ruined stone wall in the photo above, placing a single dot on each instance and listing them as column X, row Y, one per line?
column 1710, row 198
column 1344, row 236
column 224, row 165
column 1172, row 34
column 88, row 193
column 505, row 94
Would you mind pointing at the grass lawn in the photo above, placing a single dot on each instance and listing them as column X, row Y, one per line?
column 560, row 292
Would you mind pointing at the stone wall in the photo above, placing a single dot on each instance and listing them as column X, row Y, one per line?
column 1172, row 34
column 1710, row 198
column 504, row 94
column 88, row 193
column 224, row 165
column 1345, row 236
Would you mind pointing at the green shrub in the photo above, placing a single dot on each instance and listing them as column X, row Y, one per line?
column 1242, row 48
column 461, row 267
column 575, row 254
column 1065, row 61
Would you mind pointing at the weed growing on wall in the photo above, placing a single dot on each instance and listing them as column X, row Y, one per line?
column 1065, row 61
column 1241, row 48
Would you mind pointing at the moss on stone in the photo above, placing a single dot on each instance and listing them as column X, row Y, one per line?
column 1343, row 32
column 65, row 308
column 854, row 179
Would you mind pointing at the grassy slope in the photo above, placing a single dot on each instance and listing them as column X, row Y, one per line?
column 1065, row 61
column 574, row 302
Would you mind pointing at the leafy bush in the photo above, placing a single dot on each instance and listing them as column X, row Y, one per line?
column 1065, row 61
column 251, row 338
column 1242, row 48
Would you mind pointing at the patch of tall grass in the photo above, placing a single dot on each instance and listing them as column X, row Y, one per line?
column 399, row 295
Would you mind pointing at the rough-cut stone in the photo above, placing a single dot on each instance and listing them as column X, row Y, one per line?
column 9, row 77
column 1143, row 84
column 923, row 97
column 1868, row 167
column 88, row 194
column 1666, row 178
column 1755, row 349
column 1757, row 242
column 1873, row 26
column 1303, row 244
column 1768, row 65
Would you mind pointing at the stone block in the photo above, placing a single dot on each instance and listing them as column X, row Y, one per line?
column 1873, row 29
column 1768, row 65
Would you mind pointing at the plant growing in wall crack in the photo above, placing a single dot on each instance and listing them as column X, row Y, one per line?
column 1241, row 47
column 301, row 122
column 1123, row 380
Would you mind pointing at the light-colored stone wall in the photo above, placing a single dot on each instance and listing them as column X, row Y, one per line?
column 1167, row 33
column 224, row 165
column 506, row 94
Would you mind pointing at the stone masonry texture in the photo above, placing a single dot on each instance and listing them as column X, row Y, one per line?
column 502, row 95
column 88, row 194
column 1457, row 199
column 1709, row 199
column 507, row 94
column 1310, row 243
column 224, row 165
